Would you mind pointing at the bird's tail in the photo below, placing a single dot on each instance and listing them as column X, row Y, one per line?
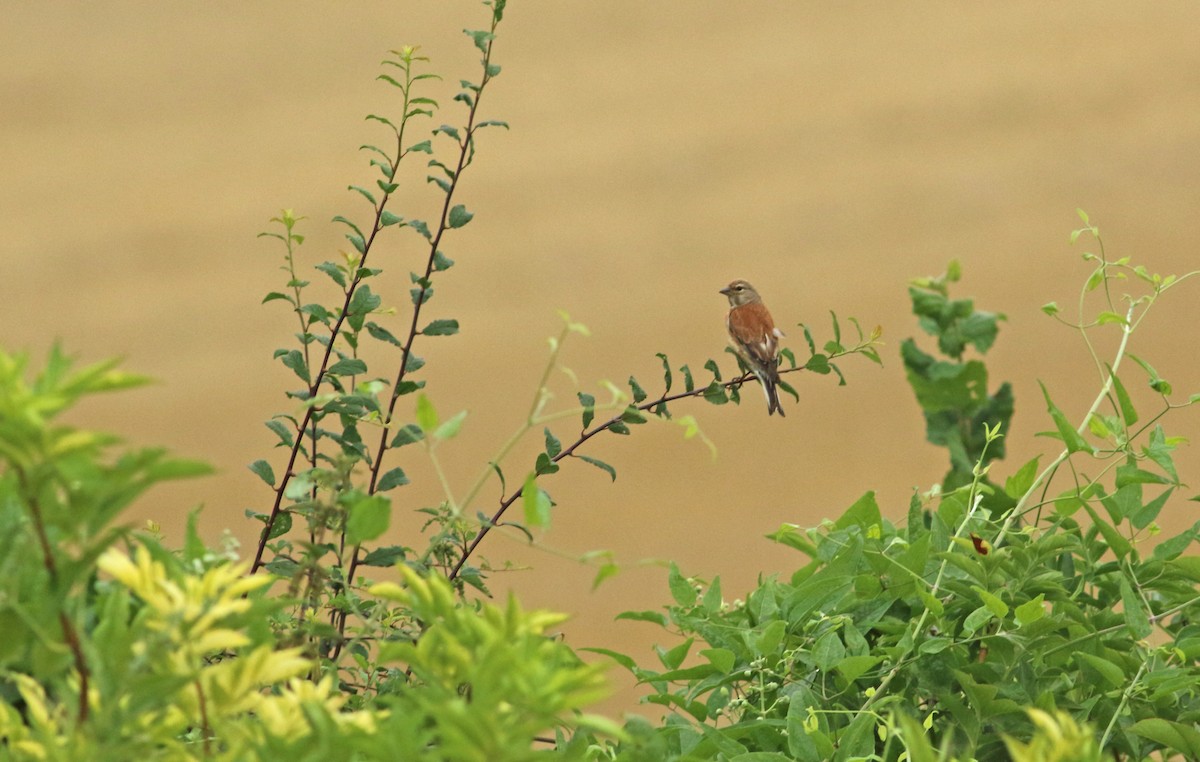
column 770, row 385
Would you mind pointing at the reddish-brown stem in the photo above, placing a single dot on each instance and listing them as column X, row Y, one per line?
column 334, row 332
column 569, row 451
column 466, row 150
column 70, row 634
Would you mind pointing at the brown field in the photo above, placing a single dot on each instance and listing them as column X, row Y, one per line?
column 825, row 152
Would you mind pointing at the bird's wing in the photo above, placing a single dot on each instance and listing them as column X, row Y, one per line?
column 754, row 330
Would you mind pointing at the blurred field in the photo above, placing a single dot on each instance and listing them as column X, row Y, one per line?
column 826, row 153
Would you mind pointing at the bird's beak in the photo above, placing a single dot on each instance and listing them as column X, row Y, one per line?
column 725, row 291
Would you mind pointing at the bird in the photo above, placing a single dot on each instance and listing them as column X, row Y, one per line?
column 755, row 339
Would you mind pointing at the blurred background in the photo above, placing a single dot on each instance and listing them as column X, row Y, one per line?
column 825, row 152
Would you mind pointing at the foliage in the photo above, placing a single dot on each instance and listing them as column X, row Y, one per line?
column 341, row 486
column 1031, row 620
column 953, row 393
column 963, row 629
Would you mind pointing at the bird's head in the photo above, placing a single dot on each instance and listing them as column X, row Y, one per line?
column 740, row 292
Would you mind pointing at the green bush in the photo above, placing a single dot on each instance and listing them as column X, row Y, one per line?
column 1038, row 616
column 991, row 612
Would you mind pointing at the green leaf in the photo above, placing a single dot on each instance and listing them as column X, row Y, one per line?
column 1182, row 737
column 441, row 328
column 282, row 525
column 544, row 465
column 688, row 384
column 282, row 431
column 365, row 193
column 264, row 471
column 620, row 658
column 976, row 619
column 916, row 742
column 618, row 427
column 449, row 131
column 589, row 408
column 1141, row 517
column 363, row 301
column 1020, row 482
column 1128, row 413
column 275, row 295
column 553, row 446
column 380, row 333
column 367, row 518
column 1112, row 674
column 681, row 590
column 1131, row 474
column 666, row 372
column 712, row 367
column 407, row 435
column 1135, row 613
column 441, row 262
column 1030, row 611
column 767, row 641
column 536, row 503
column 612, row 472
column 605, row 571
column 632, row 415
column 347, row 367
column 639, row 394
column 712, row 597
column 715, row 394
column 427, row 417
column 1070, row 437
column 854, row 667
column 930, row 602
column 790, row 535
column 819, row 364
column 998, row 607
column 392, row 479
column 671, row 658
column 1159, row 451
column 387, row 219
column 295, row 360
column 449, row 429
column 828, row 651
column 721, row 658
column 655, row 617
column 458, row 217
column 1119, row 545
column 480, row 38
column 385, row 557
column 1157, row 383
column 864, row 513
column 422, row 228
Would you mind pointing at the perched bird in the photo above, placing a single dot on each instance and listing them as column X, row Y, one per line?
column 753, row 335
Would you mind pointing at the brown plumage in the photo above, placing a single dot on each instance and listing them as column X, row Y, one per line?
column 753, row 335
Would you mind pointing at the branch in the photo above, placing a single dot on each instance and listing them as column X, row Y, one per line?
column 466, row 152
column 334, row 333
column 70, row 634
column 494, row 521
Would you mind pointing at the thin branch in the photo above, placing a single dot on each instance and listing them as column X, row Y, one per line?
column 70, row 634
column 466, row 153
column 334, row 333
column 485, row 528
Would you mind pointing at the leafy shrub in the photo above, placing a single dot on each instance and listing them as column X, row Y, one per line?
column 990, row 613
column 1028, row 619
